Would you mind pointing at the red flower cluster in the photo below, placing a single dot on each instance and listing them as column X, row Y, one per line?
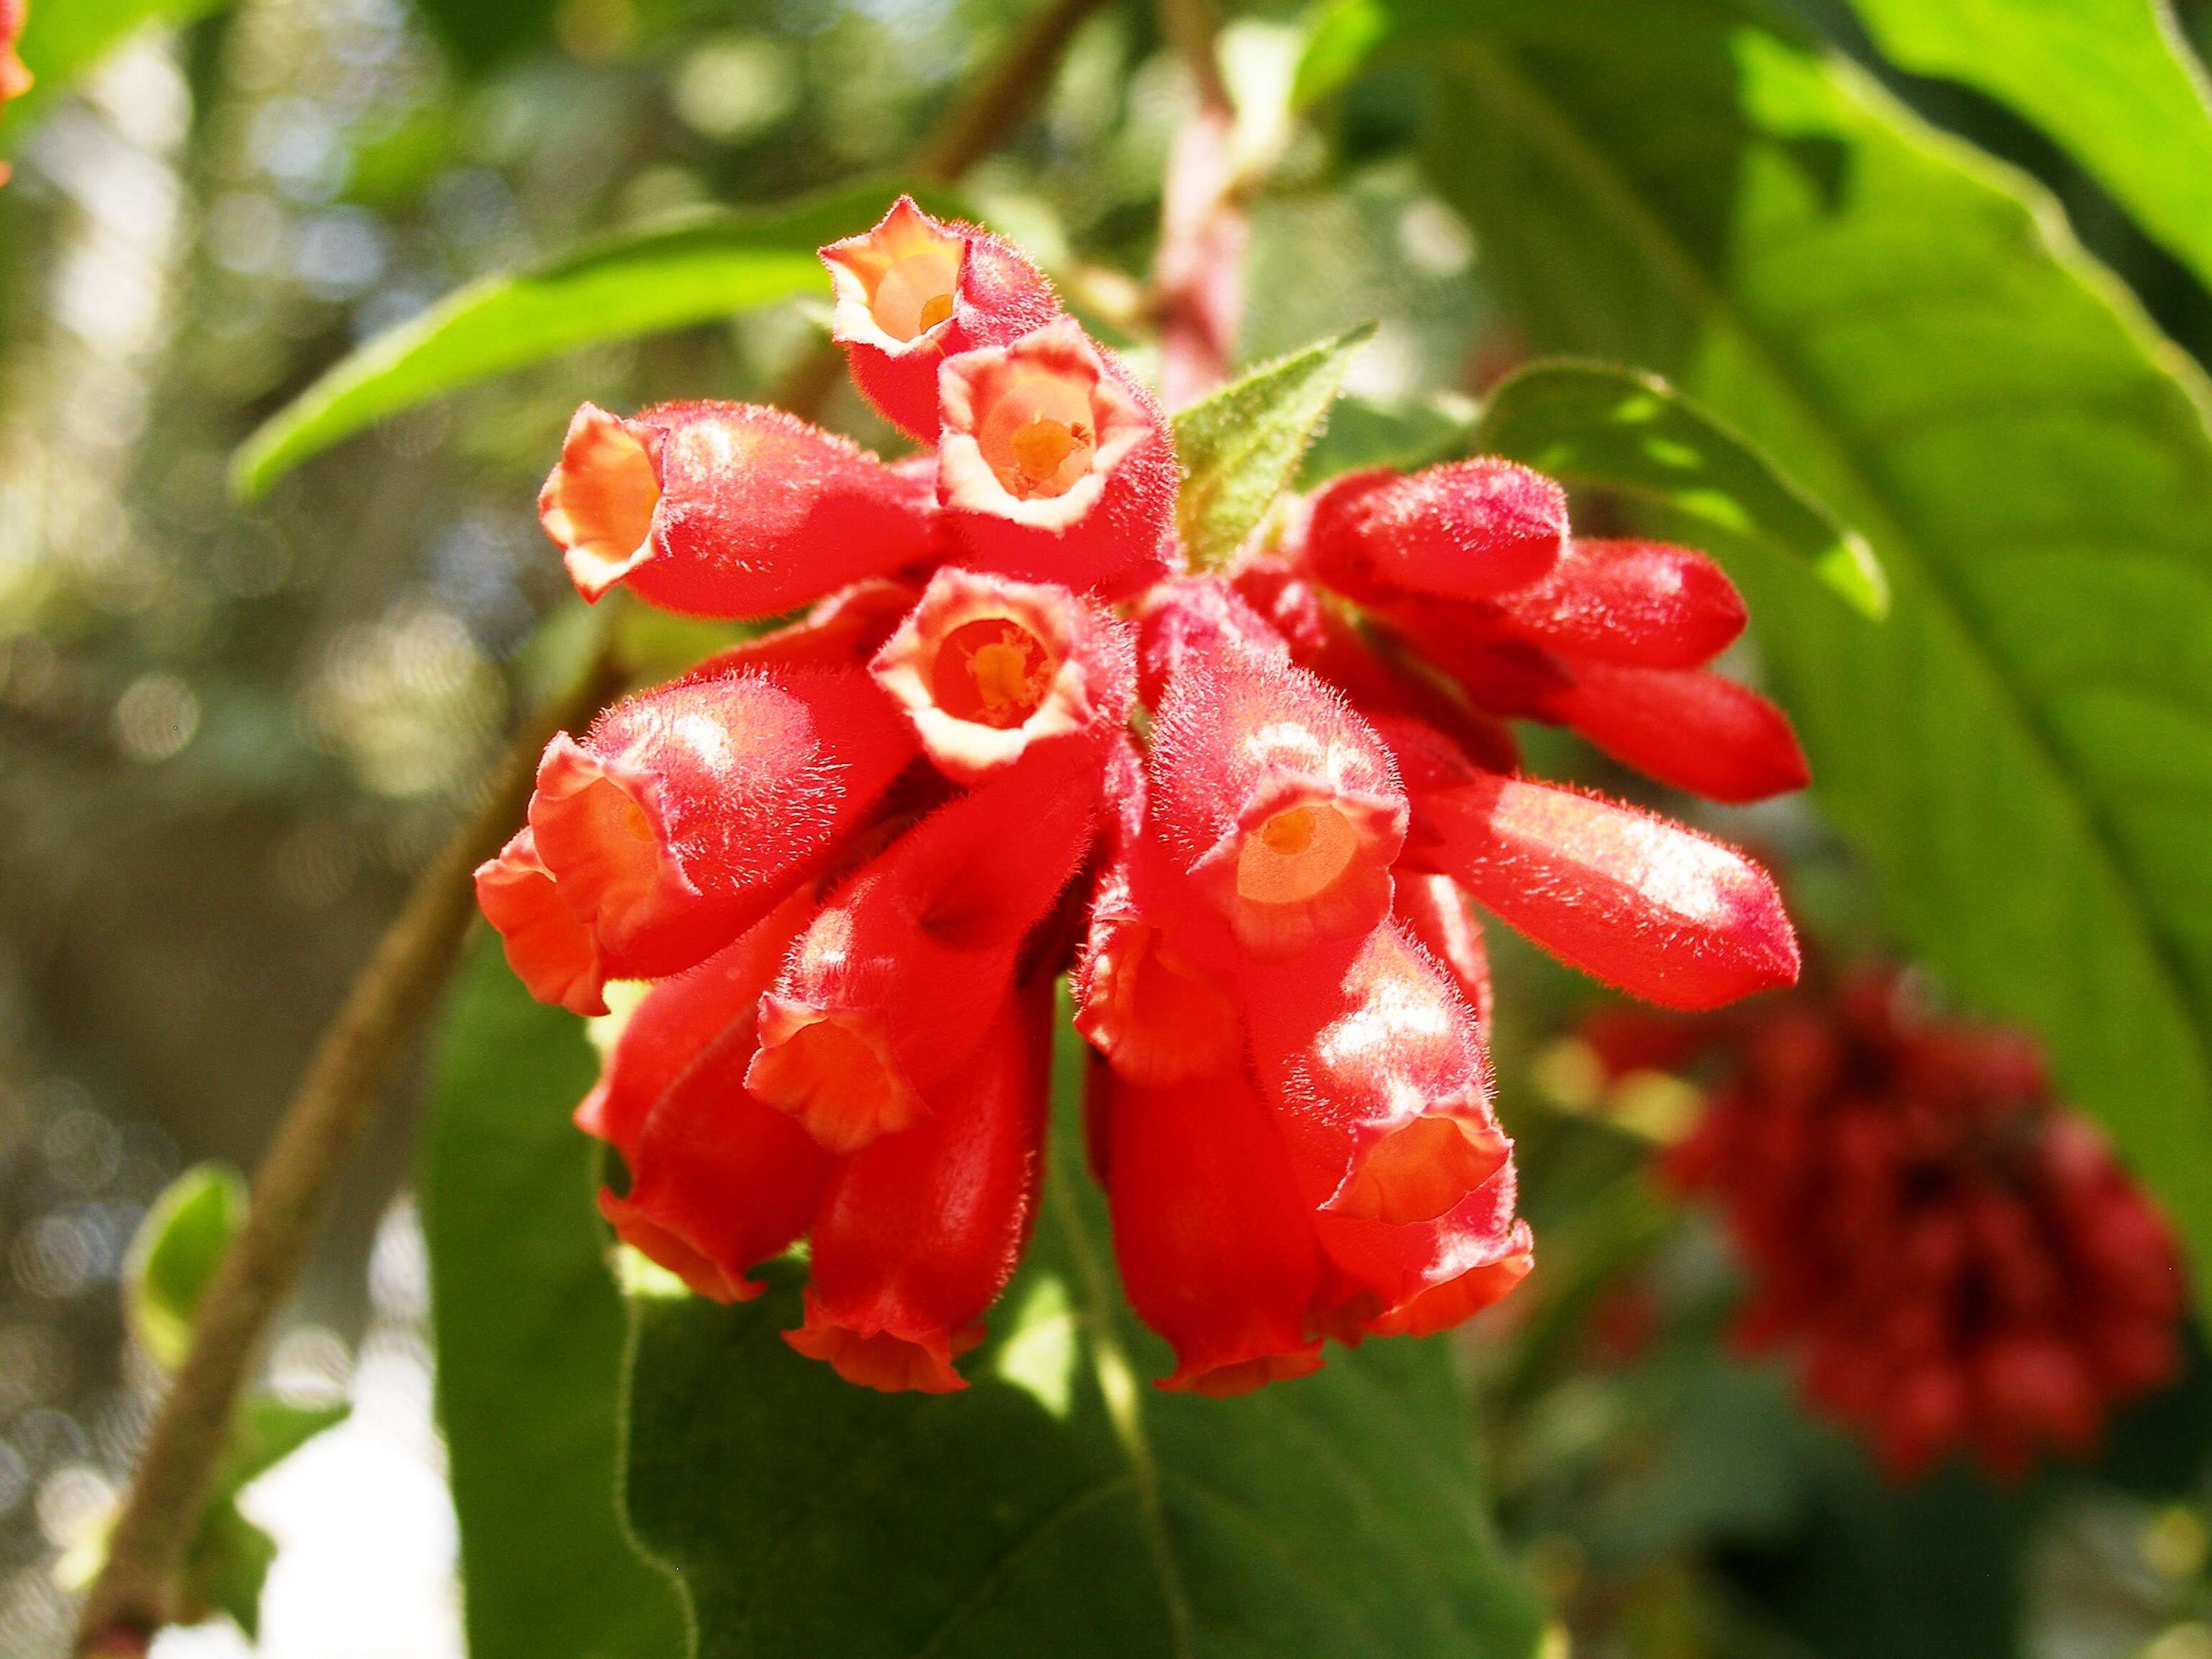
column 1957, row 1257
column 857, row 850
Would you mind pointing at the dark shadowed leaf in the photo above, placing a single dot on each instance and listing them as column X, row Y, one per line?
column 2023, row 751
column 530, row 1333
column 1240, row 446
column 694, row 269
column 1060, row 1505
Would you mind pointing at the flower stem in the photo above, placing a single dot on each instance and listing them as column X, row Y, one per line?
column 337, row 1100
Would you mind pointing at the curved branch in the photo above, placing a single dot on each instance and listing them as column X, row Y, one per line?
column 338, row 1099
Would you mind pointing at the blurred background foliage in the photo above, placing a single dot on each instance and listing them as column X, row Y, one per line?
column 230, row 735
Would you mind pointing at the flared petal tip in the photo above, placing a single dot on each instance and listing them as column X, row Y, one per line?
column 834, row 1072
column 1226, row 1379
column 662, row 1245
column 550, row 950
column 1443, row 1306
column 1421, row 1170
column 599, row 502
column 882, row 1359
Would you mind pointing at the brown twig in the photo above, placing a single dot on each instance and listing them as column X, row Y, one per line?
column 980, row 122
column 336, row 1102
column 338, row 1098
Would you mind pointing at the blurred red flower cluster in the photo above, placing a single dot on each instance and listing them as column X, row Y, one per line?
column 1016, row 736
column 1956, row 1257
column 14, row 79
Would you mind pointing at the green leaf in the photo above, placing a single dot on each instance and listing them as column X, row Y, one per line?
column 229, row 1558
column 63, row 40
column 692, row 269
column 2113, row 81
column 1339, row 39
column 175, row 1252
column 530, row 1331
column 1060, row 1504
column 1404, row 437
column 1633, row 433
column 1240, row 445
column 268, row 1430
column 2023, row 751
column 225, row 1569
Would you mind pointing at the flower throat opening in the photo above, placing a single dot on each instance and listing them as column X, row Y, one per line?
column 914, row 294
column 992, row 672
column 1295, row 855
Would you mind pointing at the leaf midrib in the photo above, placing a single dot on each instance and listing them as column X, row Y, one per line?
column 1550, row 125
column 1116, row 1382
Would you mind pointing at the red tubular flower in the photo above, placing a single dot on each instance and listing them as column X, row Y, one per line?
column 1380, row 1083
column 842, row 631
column 916, row 290
column 1052, row 464
column 682, row 819
column 895, row 983
column 1282, row 804
column 1272, row 949
column 727, row 509
column 1957, row 1260
column 1196, row 614
column 1216, row 1249
column 990, row 669
column 718, row 1182
column 1632, row 602
column 1639, row 903
column 1434, row 911
column 918, row 1231
column 1468, row 529
column 1158, row 1018
column 699, row 1022
column 1685, row 727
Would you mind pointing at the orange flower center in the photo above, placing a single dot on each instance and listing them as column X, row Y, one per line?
column 1295, row 855
column 993, row 671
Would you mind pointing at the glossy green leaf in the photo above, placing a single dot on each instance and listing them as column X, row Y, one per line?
column 1635, row 435
column 1240, row 445
column 2113, row 81
column 2023, row 751
column 1060, row 1505
column 530, row 1333
column 693, row 269
column 63, row 40
column 177, row 1250
column 1339, row 37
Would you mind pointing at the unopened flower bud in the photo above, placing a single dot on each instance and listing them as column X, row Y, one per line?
column 1466, row 530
